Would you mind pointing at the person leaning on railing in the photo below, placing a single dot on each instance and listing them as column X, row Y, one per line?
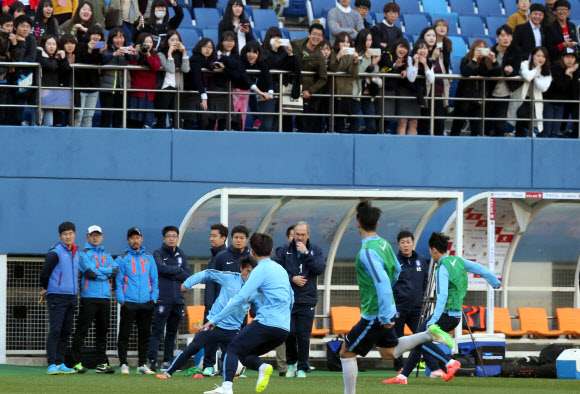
column 158, row 24
column 365, row 85
column 118, row 53
column 342, row 60
column 69, row 45
column 479, row 61
column 27, row 53
column 8, row 52
column 203, row 56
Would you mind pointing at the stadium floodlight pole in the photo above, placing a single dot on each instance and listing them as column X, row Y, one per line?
column 474, row 344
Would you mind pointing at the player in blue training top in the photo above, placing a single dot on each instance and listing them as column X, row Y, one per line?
column 223, row 333
column 272, row 323
column 451, row 282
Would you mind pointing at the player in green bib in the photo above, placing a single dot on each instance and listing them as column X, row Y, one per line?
column 451, row 282
column 377, row 270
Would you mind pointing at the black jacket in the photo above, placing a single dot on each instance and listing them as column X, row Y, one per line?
column 381, row 33
column 211, row 294
column 310, row 266
column 223, row 28
column 555, row 36
column 172, row 271
column 524, row 39
column 52, row 68
column 512, row 57
column 281, row 61
column 88, row 78
column 158, row 31
column 228, row 260
column 263, row 80
column 473, row 88
column 412, row 282
column 233, row 72
column 563, row 87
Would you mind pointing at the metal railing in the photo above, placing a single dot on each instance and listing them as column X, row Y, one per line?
column 178, row 111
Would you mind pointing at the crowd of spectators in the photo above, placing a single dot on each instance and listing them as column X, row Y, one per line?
column 537, row 43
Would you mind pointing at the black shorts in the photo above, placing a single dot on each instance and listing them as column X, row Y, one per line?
column 365, row 334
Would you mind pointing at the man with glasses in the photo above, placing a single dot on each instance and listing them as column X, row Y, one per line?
column 173, row 270
column 363, row 7
column 311, row 59
column 562, row 33
column 98, row 270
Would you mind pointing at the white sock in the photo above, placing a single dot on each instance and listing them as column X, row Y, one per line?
column 410, row 341
column 349, row 374
column 227, row 385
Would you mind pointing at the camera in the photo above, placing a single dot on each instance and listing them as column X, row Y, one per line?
column 484, row 51
column 375, row 51
column 350, row 51
column 144, row 48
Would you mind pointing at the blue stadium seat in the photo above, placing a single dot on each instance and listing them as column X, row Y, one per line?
column 264, row 19
column 459, row 46
column 451, row 19
column 296, row 8
column 510, row 7
column 463, row 7
column 407, row 7
column 456, row 65
column 435, row 6
column 488, row 7
column 316, row 7
column 206, row 17
column 211, row 34
column 190, row 37
column 493, row 23
column 249, row 11
column 187, row 22
column 294, row 34
column 575, row 21
column 259, row 34
column 471, row 26
column 488, row 40
column 414, row 23
column 220, row 9
column 409, row 38
column 379, row 17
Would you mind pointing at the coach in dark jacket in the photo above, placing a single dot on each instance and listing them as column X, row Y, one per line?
column 410, row 287
column 304, row 262
column 173, row 269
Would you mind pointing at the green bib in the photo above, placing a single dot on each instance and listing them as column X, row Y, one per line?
column 457, row 282
column 368, row 292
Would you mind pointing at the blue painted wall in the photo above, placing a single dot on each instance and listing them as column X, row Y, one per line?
column 124, row 178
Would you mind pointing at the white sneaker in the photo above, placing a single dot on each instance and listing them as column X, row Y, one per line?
column 145, row 370
column 124, row 369
column 438, row 374
column 219, row 390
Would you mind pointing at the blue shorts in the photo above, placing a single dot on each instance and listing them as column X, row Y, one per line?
column 367, row 333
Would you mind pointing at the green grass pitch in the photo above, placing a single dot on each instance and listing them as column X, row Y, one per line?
column 17, row 379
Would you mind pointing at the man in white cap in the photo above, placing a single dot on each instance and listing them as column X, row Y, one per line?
column 98, row 270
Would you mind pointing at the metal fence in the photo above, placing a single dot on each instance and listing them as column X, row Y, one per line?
column 285, row 112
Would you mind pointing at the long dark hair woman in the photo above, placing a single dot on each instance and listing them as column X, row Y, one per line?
column 203, row 56
column 44, row 20
column 79, row 24
column 158, row 24
column 235, row 20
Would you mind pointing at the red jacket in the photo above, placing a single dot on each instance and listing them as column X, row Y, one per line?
column 145, row 79
column 33, row 3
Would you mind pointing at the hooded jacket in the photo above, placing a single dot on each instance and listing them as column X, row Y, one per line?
column 98, row 269
column 412, row 283
column 172, row 270
column 137, row 278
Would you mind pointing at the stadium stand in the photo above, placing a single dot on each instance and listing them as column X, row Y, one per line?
column 435, row 6
column 471, row 26
column 315, row 9
column 294, row 34
column 535, row 321
column 264, row 19
column 456, row 60
column 569, row 320
column 462, row 7
column 296, row 8
column 493, row 23
column 212, row 34
column 194, row 317
column 186, row 22
column 190, row 37
column 502, row 323
column 488, row 8
column 471, row 40
column 343, row 318
column 414, row 23
column 249, row 11
column 510, row 7
column 459, row 47
column 206, row 17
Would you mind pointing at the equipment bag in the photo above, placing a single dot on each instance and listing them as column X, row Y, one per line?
column 333, row 355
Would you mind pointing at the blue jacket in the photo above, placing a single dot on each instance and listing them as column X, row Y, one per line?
column 61, row 277
column 173, row 269
column 97, row 267
column 412, row 282
column 137, row 278
column 212, row 289
column 274, row 293
column 309, row 266
column 230, row 283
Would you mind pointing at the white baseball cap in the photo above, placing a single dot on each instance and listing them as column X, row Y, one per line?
column 94, row 229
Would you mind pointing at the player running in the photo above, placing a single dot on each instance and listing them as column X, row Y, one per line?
column 377, row 270
column 451, row 282
column 223, row 333
column 270, row 327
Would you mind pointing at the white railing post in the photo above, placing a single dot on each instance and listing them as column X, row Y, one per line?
column 3, row 302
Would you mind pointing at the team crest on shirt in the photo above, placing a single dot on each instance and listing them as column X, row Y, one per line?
column 418, row 263
column 146, row 261
column 179, row 260
column 161, row 308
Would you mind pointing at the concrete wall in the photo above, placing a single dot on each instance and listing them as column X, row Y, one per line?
column 124, row 178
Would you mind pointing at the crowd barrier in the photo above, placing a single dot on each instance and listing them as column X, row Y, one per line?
column 38, row 89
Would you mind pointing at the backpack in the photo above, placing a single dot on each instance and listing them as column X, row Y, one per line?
column 333, row 355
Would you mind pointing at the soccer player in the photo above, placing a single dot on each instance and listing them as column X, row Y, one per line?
column 377, row 270
column 272, row 323
column 451, row 281
column 223, row 333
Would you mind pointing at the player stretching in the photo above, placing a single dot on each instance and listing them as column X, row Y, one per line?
column 270, row 327
column 226, row 330
column 451, row 282
column 377, row 270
